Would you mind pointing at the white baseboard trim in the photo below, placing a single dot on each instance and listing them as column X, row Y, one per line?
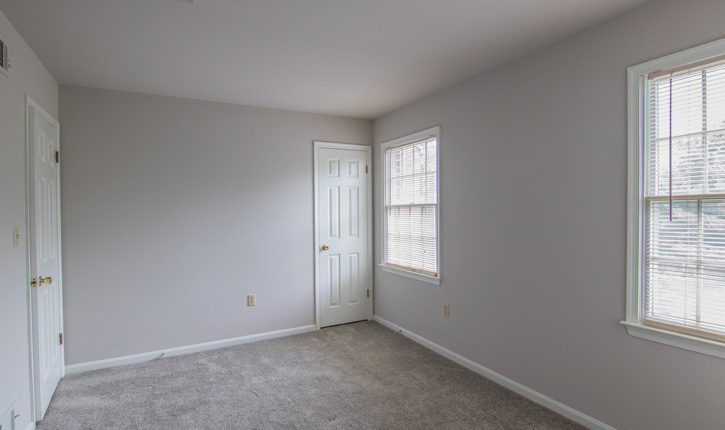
column 31, row 426
column 512, row 385
column 138, row 358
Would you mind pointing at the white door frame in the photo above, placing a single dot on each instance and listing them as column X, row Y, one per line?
column 30, row 158
column 369, row 184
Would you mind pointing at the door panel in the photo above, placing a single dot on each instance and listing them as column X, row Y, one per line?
column 334, row 280
column 333, row 219
column 354, row 211
column 354, row 283
column 344, row 268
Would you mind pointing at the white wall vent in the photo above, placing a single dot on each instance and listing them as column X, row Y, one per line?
column 4, row 65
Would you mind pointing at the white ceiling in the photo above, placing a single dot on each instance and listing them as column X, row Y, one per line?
column 343, row 57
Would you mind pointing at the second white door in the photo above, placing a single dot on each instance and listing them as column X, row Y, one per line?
column 46, row 297
column 344, row 271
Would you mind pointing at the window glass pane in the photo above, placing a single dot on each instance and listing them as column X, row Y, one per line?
column 713, row 230
column 685, row 263
column 693, row 108
column 673, row 296
column 712, row 303
column 716, row 162
column 410, row 180
column 419, row 158
column 411, row 241
column 676, row 239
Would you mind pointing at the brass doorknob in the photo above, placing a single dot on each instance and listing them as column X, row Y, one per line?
column 325, row 247
column 42, row 280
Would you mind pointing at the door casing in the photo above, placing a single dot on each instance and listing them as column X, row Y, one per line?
column 368, row 183
column 32, row 318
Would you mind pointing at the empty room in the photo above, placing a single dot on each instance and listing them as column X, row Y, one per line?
column 317, row 214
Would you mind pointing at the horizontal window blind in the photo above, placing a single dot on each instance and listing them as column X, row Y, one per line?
column 685, row 200
column 411, row 205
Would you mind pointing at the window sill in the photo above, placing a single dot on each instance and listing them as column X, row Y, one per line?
column 413, row 275
column 679, row 340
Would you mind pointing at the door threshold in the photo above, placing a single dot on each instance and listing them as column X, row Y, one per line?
column 347, row 323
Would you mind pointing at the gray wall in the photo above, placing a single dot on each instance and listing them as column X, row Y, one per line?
column 27, row 76
column 174, row 210
column 534, row 226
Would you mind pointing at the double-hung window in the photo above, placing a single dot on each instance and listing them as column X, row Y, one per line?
column 676, row 267
column 410, row 231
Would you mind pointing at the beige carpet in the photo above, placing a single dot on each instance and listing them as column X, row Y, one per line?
column 356, row 376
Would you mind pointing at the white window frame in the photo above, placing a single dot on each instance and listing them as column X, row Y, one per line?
column 637, row 112
column 402, row 141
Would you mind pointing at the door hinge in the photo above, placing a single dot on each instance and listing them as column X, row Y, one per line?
column 33, row 282
column 60, row 338
column 368, row 292
column 57, row 156
column 366, row 168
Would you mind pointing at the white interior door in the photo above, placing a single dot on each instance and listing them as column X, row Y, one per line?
column 44, row 247
column 344, row 272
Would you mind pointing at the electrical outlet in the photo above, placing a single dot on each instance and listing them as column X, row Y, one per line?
column 251, row 300
column 16, row 237
column 446, row 310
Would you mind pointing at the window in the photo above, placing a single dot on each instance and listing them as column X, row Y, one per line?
column 676, row 267
column 411, row 233
column 4, row 65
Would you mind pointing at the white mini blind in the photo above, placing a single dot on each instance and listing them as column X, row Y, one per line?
column 411, row 206
column 685, row 200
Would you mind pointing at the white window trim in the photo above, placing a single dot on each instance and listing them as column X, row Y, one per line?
column 400, row 141
column 637, row 109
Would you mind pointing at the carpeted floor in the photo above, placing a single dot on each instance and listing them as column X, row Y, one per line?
column 356, row 376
